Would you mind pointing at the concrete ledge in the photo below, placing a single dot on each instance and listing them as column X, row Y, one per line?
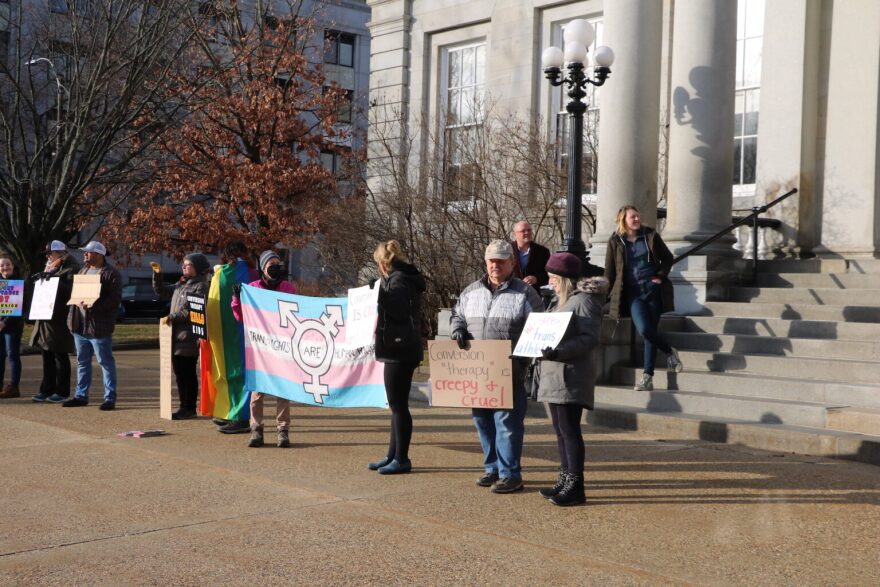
column 773, row 437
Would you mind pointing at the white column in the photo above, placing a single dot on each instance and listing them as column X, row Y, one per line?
column 629, row 120
column 701, row 124
column 850, row 209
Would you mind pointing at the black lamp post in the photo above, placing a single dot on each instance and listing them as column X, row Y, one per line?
column 578, row 37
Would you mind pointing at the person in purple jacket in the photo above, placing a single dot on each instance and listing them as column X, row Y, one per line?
column 273, row 276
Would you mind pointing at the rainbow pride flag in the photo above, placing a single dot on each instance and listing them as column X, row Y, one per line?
column 223, row 392
column 295, row 348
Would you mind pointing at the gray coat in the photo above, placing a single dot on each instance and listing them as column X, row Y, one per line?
column 571, row 378
column 186, row 344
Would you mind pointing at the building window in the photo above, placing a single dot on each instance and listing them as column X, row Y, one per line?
column 334, row 161
column 590, row 161
column 62, row 6
column 339, row 49
column 344, row 110
column 749, row 41
column 464, row 95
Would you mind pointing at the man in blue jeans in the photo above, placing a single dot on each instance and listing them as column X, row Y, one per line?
column 495, row 307
column 92, row 327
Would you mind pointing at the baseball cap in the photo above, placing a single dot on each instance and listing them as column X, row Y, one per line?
column 56, row 246
column 498, row 249
column 94, row 247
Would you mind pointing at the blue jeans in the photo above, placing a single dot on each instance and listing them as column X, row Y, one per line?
column 501, row 436
column 645, row 307
column 86, row 347
column 10, row 346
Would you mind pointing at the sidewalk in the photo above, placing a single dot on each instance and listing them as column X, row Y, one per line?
column 83, row 506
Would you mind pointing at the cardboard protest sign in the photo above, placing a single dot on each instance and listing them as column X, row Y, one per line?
column 363, row 312
column 542, row 330
column 479, row 377
column 86, row 289
column 196, row 305
column 11, row 297
column 43, row 301
column 165, row 343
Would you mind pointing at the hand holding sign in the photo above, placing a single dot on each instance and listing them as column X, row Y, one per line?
column 542, row 330
column 480, row 377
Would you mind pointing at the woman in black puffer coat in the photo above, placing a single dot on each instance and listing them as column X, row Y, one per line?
column 399, row 346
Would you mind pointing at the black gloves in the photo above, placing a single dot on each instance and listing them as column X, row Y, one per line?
column 236, row 289
column 462, row 337
column 373, row 282
column 549, row 354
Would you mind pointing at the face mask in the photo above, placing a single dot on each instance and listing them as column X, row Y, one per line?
column 276, row 272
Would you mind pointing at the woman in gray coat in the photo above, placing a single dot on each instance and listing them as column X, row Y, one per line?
column 568, row 374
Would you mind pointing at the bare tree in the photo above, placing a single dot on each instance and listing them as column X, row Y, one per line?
column 84, row 93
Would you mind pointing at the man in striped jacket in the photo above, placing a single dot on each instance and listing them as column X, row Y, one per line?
column 495, row 307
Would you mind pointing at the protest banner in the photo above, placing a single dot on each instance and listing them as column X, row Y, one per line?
column 43, row 301
column 295, row 348
column 165, row 351
column 479, row 377
column 11, row 297
column 542, row 330
column 363, row 312
column 86, row 289
column 196, row 305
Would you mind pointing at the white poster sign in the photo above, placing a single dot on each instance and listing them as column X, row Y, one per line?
column 542, row 330
column 43, row 303
column 363, row 312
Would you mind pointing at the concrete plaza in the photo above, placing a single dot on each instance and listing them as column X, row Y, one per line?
column 82, row 506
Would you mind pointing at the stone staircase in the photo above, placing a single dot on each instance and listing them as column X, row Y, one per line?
column 790, row 365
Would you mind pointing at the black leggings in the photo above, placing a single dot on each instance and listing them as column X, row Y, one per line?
column 567, row 424
column 398, row 380
column 56, row 374
column 187, row 380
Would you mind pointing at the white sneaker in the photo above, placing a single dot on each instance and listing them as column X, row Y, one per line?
column 646, row 384
column 673, row 362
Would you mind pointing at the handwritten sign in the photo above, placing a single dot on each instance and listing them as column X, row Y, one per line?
column 43, row 302
column 86, row 289
column 196, row 305
column 11, row 297
column 542, row 330
column 363, row 312
column 479, row 377
column 165, row 344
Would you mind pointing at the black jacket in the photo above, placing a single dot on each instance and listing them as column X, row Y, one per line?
column 538, row 257
column 400, row 315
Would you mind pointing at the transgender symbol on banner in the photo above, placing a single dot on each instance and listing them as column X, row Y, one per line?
column 296, row 347
column 313, row 357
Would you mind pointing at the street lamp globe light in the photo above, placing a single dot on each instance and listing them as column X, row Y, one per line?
column 578, row 36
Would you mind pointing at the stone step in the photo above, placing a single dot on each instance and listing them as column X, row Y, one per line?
column 863, row 420
column 812, row 329
column 794, row 311
column 820, row 280
column 746, row 385
column 819, row 369
column 714, row 405
column 772, row 345
column 772, row 437
column 820, row 296
column 803, row 266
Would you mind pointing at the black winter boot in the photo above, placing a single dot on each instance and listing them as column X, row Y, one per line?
column 572, row 493
column 549, row 492
column 256, row 440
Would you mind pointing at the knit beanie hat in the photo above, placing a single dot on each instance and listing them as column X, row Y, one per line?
column 564, row 265
column 199, row 261
column 267, row 256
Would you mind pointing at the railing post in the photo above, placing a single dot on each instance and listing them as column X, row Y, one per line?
column 756, row 211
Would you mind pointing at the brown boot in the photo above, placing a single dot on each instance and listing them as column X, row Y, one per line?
column 10, row 391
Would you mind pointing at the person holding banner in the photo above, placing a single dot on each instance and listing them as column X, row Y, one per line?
column 567, row 373
column 496, row 307
column 637, row 266
column 399, row 347
column 92, row 326
column 11, row 328
column 52, row 336
column 185, row 344
column 273, row 276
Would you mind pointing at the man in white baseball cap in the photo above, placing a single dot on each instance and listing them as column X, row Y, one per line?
column 92, row 327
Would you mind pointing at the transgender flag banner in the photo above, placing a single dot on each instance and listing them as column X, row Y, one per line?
column 295, row 348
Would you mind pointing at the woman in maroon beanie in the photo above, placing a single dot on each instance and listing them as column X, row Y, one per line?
column 567, row 377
